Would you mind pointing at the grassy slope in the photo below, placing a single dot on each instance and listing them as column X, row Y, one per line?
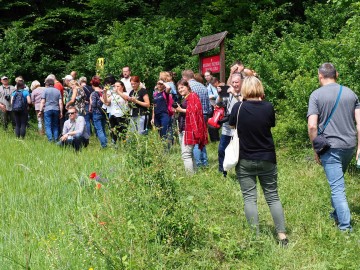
column 149, row 215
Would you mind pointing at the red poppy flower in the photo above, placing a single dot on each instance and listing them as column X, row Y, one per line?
column 93, row 175
column 98, row 186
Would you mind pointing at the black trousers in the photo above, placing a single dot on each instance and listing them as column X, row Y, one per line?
column 77, row 142
column 7, row 117
column 119, row 126
column 21, row 119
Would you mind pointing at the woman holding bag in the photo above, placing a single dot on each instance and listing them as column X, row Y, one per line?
column 257, row 157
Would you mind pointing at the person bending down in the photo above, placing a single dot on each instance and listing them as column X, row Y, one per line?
column 74, row 131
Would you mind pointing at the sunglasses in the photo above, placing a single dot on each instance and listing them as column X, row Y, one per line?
column 71, row 113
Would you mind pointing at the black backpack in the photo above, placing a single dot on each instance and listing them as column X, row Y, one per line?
column 18, row 104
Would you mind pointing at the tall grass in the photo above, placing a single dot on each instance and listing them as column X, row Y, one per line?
column 148, row 214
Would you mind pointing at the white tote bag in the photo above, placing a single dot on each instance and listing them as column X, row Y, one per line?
column 233, row 149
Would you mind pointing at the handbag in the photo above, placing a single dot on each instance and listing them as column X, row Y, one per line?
column 232, row 151
column 321, row 144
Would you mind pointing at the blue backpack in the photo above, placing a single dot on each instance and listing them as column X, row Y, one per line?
column 18, row 104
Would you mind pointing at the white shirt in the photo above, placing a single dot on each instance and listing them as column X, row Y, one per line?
column 127, row 84
column 118, row 107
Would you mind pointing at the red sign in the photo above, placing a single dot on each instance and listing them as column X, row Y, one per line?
column 211, row 63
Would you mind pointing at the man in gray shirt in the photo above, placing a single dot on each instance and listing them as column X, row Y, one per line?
column 74, row 132
column 51, row 99
column 340, row 132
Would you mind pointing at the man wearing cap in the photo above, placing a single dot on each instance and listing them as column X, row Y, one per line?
column 5, row 106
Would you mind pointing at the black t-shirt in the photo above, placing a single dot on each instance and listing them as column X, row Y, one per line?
column 136, row 108
column 256, row 118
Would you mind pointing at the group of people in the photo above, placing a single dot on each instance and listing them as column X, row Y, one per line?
column 186, row 107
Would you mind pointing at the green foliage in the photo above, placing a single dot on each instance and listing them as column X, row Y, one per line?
column 283, row 41
column 17, row 49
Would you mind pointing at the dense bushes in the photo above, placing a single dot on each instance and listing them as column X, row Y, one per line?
column 284, row 42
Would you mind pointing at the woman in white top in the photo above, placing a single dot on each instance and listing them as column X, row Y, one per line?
column 118, row 108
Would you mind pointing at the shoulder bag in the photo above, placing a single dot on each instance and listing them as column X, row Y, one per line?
column 232, row 151
column 321, row 143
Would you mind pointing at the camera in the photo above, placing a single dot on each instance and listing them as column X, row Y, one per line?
column 7, row 97
column 175, row 105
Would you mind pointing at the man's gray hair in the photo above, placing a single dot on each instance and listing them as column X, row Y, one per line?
column 328, row 71
column 49, row 82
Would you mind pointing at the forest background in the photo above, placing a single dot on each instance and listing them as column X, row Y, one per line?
column 284, row 41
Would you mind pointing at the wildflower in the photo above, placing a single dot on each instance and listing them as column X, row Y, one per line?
column 102, row 223
column 93, row 175
column 98, row 186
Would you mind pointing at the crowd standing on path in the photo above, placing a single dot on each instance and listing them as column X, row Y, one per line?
column 67, row 111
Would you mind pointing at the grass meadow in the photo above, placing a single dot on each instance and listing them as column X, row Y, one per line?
column 147, row 214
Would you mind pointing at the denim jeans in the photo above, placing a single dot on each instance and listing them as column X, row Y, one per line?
column 247, row 171
column 163, row 121
column 335, row 162
column 88, row 119
column 99, row 125
column 224, row 142
column 51, row 119
column 201, row 155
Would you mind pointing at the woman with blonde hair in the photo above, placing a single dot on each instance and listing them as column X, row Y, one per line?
column 78, row 97
column 257, row 158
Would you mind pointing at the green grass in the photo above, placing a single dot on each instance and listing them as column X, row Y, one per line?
column 149, row 215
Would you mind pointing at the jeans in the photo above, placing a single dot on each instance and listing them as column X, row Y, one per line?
column 201, row 155
column 224, row 142
column 163, row 121
column 335, row 162
column 21, row 119
column 88, row 118
column 99, row 125
column 247, row 171
column 187, row 155
column 51, row 119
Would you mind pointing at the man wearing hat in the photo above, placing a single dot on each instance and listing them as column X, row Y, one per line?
column 5, row 105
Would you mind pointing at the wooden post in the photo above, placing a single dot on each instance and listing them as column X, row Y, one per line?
column 222, row 62
column 201, row 55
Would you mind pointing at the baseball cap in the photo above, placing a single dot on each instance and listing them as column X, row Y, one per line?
column 68, row 77
column 4, row 77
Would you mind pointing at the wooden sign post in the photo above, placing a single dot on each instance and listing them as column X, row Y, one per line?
column 215, row 63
